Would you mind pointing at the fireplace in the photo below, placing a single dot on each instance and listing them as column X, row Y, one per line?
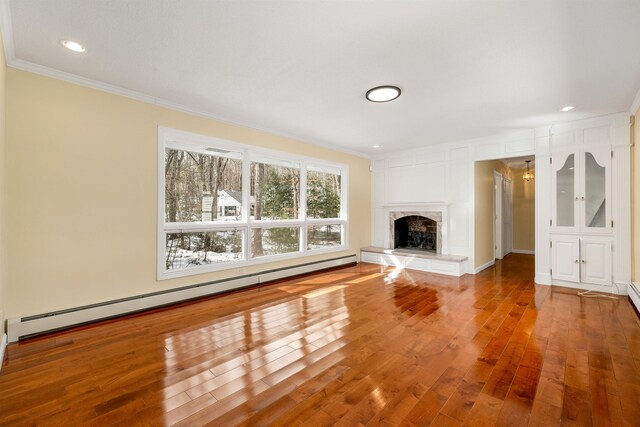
column 416, row 232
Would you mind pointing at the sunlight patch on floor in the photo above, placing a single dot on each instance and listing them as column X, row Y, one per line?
column 324, row 291
column 321, row 280
column 364, row 278
column 292, row 289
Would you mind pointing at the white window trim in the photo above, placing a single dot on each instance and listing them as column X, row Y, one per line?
column 173, row 138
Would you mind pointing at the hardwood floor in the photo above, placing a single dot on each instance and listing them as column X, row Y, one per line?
column 354, row 346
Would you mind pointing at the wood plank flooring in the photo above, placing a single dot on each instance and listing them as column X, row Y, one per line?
column 356, row 346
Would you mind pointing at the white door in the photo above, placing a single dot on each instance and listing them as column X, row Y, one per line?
column 497, row 215
column 507, row 216
column 565, row 258
column 595, row 263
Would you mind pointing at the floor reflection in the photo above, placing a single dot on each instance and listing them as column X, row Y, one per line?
column 365, row 344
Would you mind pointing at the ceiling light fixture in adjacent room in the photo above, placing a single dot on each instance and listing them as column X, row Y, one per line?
column 528, row 175
column 567, row 108
column 383, row 93
column 73, row 46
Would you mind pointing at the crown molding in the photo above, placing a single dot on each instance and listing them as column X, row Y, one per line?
column 127, row 93
column 6, row 28
column 636, row 103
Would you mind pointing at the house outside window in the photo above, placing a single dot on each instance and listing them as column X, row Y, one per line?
column 224, row 205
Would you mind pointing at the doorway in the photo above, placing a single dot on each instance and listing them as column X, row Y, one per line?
column 504, row 209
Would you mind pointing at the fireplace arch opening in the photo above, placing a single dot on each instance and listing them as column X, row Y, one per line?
column 416, row 232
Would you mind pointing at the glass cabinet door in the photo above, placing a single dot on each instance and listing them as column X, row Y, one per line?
column 565, row 193
column 595, row 189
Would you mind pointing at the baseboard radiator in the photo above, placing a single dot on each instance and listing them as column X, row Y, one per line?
column 634, row 295
column 25, row 327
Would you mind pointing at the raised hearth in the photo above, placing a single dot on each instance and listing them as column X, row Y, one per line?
column 452, row 265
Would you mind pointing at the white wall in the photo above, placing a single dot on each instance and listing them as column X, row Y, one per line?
column 439, row 175
column 443, row 174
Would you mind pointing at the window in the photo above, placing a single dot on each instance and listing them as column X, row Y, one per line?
column 274, row 241
column 187, row 250
column 323, row 236
column 197, row 183
column 323, row 192
column 275, row 187
column 223, row 205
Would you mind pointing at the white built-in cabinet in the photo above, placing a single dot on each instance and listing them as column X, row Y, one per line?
column 581, row 190
column 581, row 223
column 583, row 204
column 581, row 260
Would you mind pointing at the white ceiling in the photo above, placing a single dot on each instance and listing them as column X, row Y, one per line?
column 467, row 69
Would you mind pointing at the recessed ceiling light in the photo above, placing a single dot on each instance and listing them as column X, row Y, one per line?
column 567, row 108
column 74, row 46
column 383, row 93
column 376, row 146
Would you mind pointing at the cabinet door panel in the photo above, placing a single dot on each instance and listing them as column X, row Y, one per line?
column 595, row 197
column 596, row 261
column 564, row 182
column 565, row 255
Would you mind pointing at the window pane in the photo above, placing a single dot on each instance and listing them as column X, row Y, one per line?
column 324, row 236
column 323, row 194
column 275, row 191
column 565, row 182
column 185, row 250
column 274, row 241
column 202, row 187
column 596, row 202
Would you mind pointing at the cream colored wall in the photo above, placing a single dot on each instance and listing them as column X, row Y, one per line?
column 3, row 280
column 524, row 215
column 483, row 208
column 82, row 193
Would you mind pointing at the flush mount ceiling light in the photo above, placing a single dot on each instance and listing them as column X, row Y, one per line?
column 567, row 108
column 73, row 46
column 528, row 176
column 376, row 146
column 383, row 93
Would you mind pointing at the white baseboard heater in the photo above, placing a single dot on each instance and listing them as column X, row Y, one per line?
column 25, row 327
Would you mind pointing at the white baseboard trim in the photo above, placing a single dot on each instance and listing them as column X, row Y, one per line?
column 542, row 279
column 622, row 287
column 3, row 348
column 617, row 288
column 523, row 251
column 23, row 327
column 485, row 266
